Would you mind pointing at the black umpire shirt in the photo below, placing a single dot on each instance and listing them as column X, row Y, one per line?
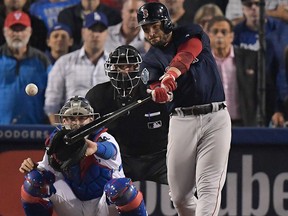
column 144, row 130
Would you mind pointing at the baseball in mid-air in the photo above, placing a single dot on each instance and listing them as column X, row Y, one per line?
column 31, row 89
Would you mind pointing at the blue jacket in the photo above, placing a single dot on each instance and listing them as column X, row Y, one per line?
column 16, row 107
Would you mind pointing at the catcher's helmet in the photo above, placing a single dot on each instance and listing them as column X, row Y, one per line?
column 153, row 12
column 122, row 67
column 76, row 106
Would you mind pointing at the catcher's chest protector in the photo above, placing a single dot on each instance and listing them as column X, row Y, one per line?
column 87, row 179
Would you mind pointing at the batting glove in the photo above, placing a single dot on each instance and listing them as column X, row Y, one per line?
column 160, row 95
column 168, row 79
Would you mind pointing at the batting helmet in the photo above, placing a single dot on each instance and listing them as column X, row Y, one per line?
column 153, row 12
column 122, row 67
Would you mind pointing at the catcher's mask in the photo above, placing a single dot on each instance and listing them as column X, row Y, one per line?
column 122, row 67
column 76, row 107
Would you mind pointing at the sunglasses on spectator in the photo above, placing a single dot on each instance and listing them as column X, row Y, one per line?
column 251, row 3
column 223, row 31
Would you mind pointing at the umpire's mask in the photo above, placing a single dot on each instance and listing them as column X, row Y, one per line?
column 122, row 67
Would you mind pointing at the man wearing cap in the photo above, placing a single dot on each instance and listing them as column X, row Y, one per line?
column 75, row 73
column 21, row 65
column 59, row 40
column 39, row 33
column 74, row 17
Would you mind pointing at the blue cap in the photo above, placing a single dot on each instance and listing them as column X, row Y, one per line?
column 59, row 26
column 95, row 18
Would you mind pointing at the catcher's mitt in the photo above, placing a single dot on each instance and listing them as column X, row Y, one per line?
column 62, row 156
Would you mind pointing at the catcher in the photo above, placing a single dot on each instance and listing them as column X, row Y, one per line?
column 82, row 178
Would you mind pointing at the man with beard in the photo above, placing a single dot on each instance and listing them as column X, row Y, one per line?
column 180, row 64
column 37, row 39
column 21, row 65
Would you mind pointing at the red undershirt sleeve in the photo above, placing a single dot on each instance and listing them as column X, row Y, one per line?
column 186, row 54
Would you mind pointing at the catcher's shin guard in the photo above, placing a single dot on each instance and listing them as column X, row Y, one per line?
column 126, row 197
column 37, row 207
column 38, row 185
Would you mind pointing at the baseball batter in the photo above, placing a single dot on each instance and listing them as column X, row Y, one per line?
column 181, row 72
column 72, row 179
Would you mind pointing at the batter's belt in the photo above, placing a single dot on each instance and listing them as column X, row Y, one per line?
column 199, row 109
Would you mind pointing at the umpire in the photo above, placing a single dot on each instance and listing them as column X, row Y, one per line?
column 142, row 133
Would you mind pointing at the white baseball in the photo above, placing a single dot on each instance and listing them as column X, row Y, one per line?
column 31, row 89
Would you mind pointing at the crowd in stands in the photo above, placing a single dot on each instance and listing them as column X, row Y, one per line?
column 61, row 46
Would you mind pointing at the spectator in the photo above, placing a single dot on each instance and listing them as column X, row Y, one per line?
column 238, row 70
column 142, row 133
column 127, row 32
column 273, row 8
column 48, row 10
column 194, row 5
column 59, row 41
column 177, row 12
column 116, row 4
column 73, row 17
column 247, row 37
column 79, row 179
column 277, row 9
column 246, row 32
column 206, row 13
column 21, row 65
column 220, row 32
column 39, row 33
column 277, row 43
column 234, row 11
column 75, row 73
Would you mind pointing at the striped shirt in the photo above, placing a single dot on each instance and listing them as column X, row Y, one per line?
column 72, row 74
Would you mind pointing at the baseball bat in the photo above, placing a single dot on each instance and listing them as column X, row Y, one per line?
column 87, row 129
